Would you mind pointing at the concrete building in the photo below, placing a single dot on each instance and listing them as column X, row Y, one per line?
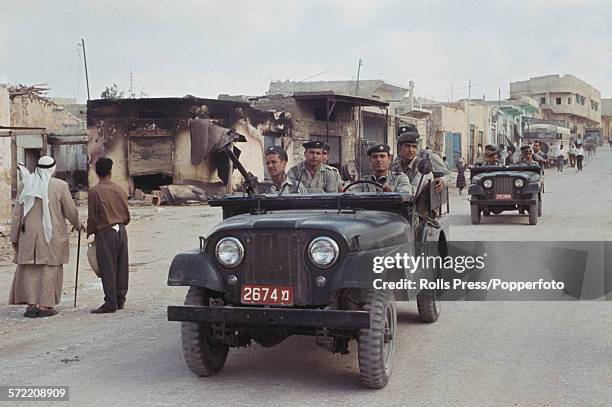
column 448, row 129
column 606, row 119
column 150, row 140
column 563, row 98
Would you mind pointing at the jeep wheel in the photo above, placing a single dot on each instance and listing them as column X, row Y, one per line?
column 428, row 305
column 204, row 356
column 539, row 207
column 533, row 214
column 475, row 214
column 486, row 212
column 377, row 344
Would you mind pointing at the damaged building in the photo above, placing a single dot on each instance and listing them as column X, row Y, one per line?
column 32, row 125
column 153, row 142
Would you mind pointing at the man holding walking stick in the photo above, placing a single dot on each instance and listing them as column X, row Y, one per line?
column 40, row 239
column 107, row 217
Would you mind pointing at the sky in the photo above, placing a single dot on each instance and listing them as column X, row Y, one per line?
column 205, row 48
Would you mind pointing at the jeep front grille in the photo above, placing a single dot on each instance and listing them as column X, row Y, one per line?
column 503, row 185
column 277, row 257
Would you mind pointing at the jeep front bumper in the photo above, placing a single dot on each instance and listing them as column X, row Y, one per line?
column 273, row 317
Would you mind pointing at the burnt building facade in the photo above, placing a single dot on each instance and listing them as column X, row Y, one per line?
column 150, row 143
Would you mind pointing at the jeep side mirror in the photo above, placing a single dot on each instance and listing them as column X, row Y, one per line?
column 424, row 165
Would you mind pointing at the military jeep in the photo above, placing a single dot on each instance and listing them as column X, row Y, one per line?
column 302, row 264
column 496, row 189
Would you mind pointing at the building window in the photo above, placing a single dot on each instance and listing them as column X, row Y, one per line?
column 580, row 99
column 569, row 101
column 543, row 100
column 558, row 101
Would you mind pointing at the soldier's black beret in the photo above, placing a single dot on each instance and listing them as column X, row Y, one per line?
column 282, row 154
column 408, row 138
column 491, row 151
column 408, row 128
column 525, row 148
column 379, row 148
column 314, row 144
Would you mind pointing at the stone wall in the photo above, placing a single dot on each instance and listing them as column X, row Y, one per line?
column 5, row 157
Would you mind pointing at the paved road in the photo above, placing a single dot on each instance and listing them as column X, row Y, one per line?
column 477, row 354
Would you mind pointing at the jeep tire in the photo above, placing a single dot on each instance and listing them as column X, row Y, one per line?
column 203, row 356
column 377, row 344
column 533, row 214
column 428, row 305
column 475, row 214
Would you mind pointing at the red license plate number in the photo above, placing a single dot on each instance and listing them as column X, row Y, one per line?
column 503, row 196
column 267, row 295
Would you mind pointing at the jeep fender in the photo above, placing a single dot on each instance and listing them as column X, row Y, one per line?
column 194, row 268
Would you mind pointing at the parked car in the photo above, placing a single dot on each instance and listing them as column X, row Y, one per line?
column 296, row 264
column 494, row 190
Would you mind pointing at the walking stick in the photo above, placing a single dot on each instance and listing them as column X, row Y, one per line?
column 76, row 279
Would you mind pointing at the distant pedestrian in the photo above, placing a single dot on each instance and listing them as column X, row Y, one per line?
column 445, row 162
column 503, row 154
column 579, row 156
column 40, row 239
column 460, row 175
column 560, row 158
column 610, row 141
column 107, row 217
column 572, row 155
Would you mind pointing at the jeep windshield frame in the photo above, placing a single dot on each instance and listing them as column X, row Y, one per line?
column 258, row 204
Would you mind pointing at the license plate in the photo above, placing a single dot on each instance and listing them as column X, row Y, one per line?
column 267, row 295
column 503, row 196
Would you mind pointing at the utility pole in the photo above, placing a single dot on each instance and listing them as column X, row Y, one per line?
column 452, row 95
column 469, row 128
column 86, row 74
column 358, row 72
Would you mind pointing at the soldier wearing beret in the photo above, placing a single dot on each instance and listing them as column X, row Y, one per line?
column 527, row 156
column 482, row 158
column 407, row 162
column 312, row 173
column 491, row 158
column 276, row 162
column 380, row 160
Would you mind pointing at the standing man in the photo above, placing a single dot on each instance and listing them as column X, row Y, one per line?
column 579, row 156
column 610, row 141
column 538, row 154
column 560, row 158
column 312, row 172
column 380, row 161
column 40, row 239
column 276, row 162
column 107, row 217
column 572, row 155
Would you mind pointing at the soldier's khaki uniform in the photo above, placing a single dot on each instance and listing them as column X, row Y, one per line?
column 326, row 177
column 411, row 170
column 288, row 187
column 397, row 181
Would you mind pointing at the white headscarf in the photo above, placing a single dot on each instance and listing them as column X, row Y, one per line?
column 36, row 185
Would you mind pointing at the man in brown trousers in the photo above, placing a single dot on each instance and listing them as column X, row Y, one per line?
column 40, row 239
column 107, row 217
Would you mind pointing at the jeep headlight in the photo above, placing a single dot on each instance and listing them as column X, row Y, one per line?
column 519, row 183
column 323, row 252
column 229, row 252
column 487, row 183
